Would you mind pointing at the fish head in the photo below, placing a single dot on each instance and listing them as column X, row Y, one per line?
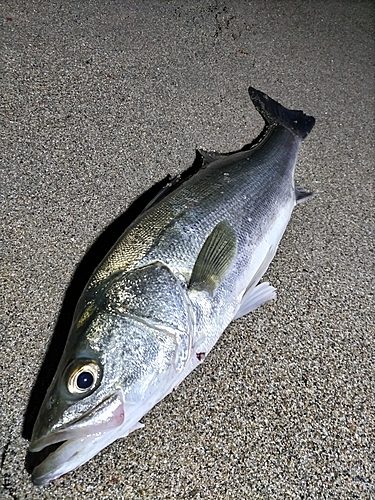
column 122, row 356
column 95, row 397
column 84, row 407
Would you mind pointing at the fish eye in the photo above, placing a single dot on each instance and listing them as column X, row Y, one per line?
column 83, row 377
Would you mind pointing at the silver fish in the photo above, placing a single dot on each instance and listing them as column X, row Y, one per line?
column 161, row 298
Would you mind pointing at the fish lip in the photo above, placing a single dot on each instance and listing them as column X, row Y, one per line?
column 70, row 455
column 107, row 415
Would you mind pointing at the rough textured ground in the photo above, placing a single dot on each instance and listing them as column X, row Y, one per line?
column 100, row 100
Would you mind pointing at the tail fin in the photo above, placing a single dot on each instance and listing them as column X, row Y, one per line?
column 273, row 112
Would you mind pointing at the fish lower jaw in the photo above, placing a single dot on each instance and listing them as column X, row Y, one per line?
column 72, row 453
column 109, row 414
column 68, row 456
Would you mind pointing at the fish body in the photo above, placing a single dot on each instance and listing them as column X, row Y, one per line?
column 157, row 304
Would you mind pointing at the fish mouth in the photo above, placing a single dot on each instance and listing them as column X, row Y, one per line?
column 81, row 439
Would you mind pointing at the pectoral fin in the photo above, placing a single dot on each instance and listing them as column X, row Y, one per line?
column 214, row 259
column 135, row 427
column 254, row 298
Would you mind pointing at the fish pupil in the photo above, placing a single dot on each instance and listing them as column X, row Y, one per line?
column 85, row 380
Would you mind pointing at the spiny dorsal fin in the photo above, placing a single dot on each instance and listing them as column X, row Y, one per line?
column 214, row 259
column 302, row 195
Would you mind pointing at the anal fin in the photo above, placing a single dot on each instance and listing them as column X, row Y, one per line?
column 302, row 195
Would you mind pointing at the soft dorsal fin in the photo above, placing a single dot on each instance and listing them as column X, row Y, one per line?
column 210, row 156
column 302, row 195
column 214, row 259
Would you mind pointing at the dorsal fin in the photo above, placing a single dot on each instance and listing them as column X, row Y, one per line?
column 210, row 156
column 170, row 184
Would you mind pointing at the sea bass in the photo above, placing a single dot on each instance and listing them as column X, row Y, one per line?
column 163, row 295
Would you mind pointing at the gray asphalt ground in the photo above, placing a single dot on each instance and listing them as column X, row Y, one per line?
column 100, row 101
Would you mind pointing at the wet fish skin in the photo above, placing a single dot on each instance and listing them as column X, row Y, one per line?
column 156, row 305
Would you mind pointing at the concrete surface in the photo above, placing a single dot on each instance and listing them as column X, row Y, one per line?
column 101, row 100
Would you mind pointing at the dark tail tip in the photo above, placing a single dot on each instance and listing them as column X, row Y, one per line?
column 273, row 112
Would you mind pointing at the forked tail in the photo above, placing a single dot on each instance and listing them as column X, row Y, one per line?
column 273, row 112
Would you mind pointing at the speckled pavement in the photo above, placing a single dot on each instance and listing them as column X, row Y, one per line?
column 100, row 101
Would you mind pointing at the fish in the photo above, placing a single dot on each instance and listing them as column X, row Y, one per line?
column 153, row 309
